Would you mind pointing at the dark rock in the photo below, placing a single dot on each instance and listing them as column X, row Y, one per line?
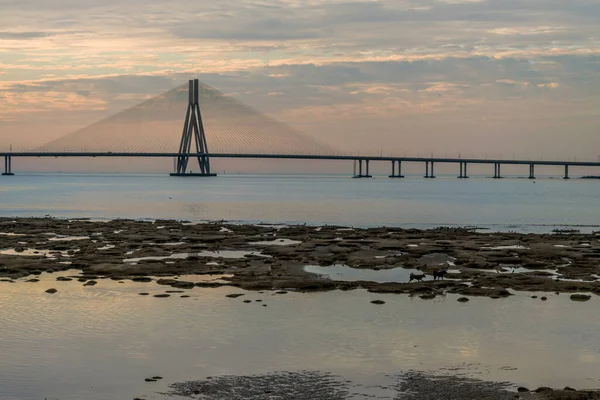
column 378, row 302
column 162, row 295
column 569, row 389
column 183, row 285
column 462, row 299
column 247, row 301
column 184, row 296
column 167, row 282
column 543, row 389
column 522, row 389
column 157, row 377
column 544, row 298
column 150, row 380
column 281, row 292
column 51, row 291
column 141, row 279
column 144, row 294
column 64, row 279
column 209, row 284
column 580, row 297
column 234, row 295
column 427, row 296
column 33, row 280
column 90, row 283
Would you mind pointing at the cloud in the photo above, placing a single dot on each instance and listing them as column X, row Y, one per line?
column 4, row 35
column 356, row 59
column 551, row 85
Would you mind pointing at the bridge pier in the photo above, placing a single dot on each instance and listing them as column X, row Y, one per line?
column 531, row 171
column 497, row 174
column 463, row 171
column 360, row 170
column 427, row 174
column 566, row 172
column 7, row 166
column 193, row 130
column 393, row 175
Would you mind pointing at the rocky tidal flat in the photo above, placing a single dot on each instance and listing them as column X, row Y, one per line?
column 271, row 257
column 412, row 385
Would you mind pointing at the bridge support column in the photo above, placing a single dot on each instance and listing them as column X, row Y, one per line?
column 193, row 130
column 427, row 174
column 531, row 171
column 7, row 166
column 566, row 172
column 393, row 175
column 463, row 171
column 360, row 170
column 497, row 174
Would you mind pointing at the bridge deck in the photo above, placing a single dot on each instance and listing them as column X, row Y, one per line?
column 307, row 157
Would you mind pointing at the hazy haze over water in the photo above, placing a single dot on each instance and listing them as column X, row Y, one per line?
column 507, row 204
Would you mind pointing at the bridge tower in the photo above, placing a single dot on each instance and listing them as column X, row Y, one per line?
column 193, row 130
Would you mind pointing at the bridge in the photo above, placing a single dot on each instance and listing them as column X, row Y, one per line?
column 228, row 122
column 428, row 162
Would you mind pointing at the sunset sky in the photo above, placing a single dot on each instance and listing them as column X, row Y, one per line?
column 496, row 78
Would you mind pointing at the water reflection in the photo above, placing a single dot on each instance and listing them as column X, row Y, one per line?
column 101, row 342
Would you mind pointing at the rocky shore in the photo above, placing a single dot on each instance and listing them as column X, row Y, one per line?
column 269, row 257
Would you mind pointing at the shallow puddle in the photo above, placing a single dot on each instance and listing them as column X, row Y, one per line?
column 68, row 238
column 518, row 270
column 340, row 272
column 511, row 247
column 277, row 242
column 35, row 253
column 213, row 254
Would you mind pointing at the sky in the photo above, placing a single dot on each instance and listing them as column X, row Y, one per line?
column 489, row 78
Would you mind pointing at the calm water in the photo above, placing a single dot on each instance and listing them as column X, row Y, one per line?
column 508, row 204
column 101, row 342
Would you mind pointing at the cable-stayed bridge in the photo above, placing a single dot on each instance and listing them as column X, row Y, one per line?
column 222, row 127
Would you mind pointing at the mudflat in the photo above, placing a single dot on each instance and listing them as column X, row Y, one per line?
column 271, row 257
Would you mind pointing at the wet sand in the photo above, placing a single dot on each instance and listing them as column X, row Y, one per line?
column 263, row 257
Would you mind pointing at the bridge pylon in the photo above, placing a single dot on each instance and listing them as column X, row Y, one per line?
column 193, row 130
